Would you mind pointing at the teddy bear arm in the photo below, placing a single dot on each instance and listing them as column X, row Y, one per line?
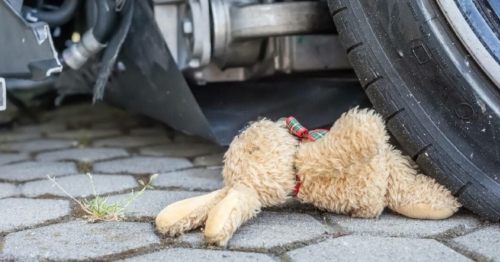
column 187, row 214
column 230, row 213
column 422, row 197
column 359, row 193
column 357, row 137
column 416, row 195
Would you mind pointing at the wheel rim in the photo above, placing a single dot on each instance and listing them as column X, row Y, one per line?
column 478, row 30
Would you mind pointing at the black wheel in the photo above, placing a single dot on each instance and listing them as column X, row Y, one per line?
column 440, row 100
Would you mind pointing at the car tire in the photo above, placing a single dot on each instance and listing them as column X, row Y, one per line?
column 437, row 102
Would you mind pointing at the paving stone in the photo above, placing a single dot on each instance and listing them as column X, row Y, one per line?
column 131, row 141
column 156, row 131
column 80, row 185
column 152, row 201
column 37, row 145
column 34, row 170
column 8, row 190
column 181, row 150
column 38, row 129
column 293, row 205
column 121, row 124
column 84, row 118
column 200, row 255
column 14, row 137
column 183, row 138
column 84, row 134
column 194, row 238
column 83, row 154
column 390, row 224
column 142, row 165
column 269, row 230
column 77, row 241
column 18, row 213
column 485, row 242
column 193, row 179
column 80, row 109
column 10, row 113
column 42, row 128
column 9, row 158
column 210, row 160
column 367, row 248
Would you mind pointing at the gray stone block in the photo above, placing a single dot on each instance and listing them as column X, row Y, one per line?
column 83, row 154
column 485, row 242
column 293, row 205
column 181, row 150
column 155, row 131
column 367, row 248
column 15, row 137
column 192, row 179
column 270, row 230
column 35, row 170
column 8, row 190
column 19, row 213
column 151, row 202
column 209, row 160
column 142, row 165
column 200, row 255
column 77, row 241
column 80, row 185
column 42, row 128
column 394, row 225
column 10, row 158
column 131, row 141
column 82, row 109
column 273, row 229
column 84, row 134
column 37, row 145
column 86, row 120
column 194, row 238
column 183, row 138
column 121, row 124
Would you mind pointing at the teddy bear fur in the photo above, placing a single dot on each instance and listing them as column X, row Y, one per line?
column 353, row 170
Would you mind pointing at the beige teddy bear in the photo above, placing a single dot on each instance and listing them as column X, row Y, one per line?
column 352, row 169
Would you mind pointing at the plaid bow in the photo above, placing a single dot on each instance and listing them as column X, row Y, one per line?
column 300, row 131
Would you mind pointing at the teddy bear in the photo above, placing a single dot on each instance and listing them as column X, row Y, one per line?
column 350, row 169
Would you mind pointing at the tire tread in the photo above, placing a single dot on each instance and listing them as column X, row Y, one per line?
column 410, row 133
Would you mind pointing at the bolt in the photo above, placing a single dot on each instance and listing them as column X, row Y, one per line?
column 121, row 66
column 200, row 78
column 198, row 75
column 194, row 63
column 187, row 27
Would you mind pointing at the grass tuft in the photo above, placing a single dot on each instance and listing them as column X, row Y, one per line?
column 85, row 138
column 98, row 208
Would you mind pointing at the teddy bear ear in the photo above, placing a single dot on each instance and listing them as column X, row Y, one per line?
column 243, row 128
column 247, row 125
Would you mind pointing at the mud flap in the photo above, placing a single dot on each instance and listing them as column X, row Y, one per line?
column 146, row 79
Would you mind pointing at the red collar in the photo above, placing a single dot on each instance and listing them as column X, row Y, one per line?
column 301, row 132
column 297, row 186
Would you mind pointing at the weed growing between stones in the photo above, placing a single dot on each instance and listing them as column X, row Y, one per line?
column 85, row 139
column 98, row 208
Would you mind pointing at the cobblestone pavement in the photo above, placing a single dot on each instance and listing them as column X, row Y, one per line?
column 39, row 222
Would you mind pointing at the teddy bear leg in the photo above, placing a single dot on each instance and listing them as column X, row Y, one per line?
column 238, row 206
column 415, row 195
column 187, row 214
